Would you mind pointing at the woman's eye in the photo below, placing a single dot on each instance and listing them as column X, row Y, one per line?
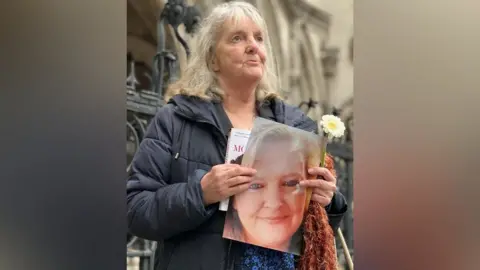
column 291, row 183
column 259, row 38
column 236, row 38
column 255, row 186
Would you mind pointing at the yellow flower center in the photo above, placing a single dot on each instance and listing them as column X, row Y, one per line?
column 332, row 125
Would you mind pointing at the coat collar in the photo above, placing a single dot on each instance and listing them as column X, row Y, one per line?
column 211, row 112
column 263, row 110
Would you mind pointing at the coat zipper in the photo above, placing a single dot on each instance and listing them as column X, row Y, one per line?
column 217, row 130
column 229, row 265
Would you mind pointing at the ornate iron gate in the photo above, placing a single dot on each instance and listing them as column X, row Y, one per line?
column 142, row 105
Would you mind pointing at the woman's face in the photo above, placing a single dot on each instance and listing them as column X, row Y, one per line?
column 271, row 210
column 240, row 51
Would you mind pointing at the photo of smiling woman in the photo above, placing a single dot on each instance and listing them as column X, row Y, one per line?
column 270, row 213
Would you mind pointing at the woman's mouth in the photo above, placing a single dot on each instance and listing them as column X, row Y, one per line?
column 276, row 219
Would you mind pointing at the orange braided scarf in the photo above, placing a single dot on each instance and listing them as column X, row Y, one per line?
column 319, row 251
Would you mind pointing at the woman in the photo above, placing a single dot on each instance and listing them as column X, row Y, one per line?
column 178, row 175
column 271, row 212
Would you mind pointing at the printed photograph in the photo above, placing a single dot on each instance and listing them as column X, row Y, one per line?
column 270, row 213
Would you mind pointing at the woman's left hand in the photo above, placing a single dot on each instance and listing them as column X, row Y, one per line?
column 322, row 189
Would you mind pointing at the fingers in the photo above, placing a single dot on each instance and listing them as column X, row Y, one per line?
column 323, row 193
column 239, row 188
column 239, row 180
column 324, row 172
column 239, row 171
column 321, row 199
column 224, row 167
column 226, row 171
column 225, row 180
column 319, row 184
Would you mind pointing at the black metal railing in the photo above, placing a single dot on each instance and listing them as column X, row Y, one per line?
column 143, row 103
column 342, row 152
column 142, row 106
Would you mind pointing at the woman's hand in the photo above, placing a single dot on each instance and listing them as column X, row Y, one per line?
column 322, row 189
column 225, row 180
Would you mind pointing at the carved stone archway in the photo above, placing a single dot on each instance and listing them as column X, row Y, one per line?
column 297, row 48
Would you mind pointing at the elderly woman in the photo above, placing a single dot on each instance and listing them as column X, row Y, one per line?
column 179, row 174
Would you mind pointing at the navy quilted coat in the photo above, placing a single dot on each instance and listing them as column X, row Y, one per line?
column 164, row 198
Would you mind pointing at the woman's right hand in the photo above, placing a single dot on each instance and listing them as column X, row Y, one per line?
column 225, row 180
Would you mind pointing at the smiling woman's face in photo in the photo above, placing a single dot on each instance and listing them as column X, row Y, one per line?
column 271, row 210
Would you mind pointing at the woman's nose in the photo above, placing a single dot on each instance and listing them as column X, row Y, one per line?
column 252, row 47
column 273, row 198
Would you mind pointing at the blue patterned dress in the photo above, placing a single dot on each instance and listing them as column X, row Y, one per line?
column 258, row 258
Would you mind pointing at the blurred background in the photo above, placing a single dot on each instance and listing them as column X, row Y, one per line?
column 312, row 42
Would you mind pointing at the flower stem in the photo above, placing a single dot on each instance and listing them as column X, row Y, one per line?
column 322, row 157
column 324, row 150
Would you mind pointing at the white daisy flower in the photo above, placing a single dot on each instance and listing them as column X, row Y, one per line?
column 332, row 125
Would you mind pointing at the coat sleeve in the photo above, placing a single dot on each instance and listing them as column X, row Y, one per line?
column 336, row 210
column 156, row 208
